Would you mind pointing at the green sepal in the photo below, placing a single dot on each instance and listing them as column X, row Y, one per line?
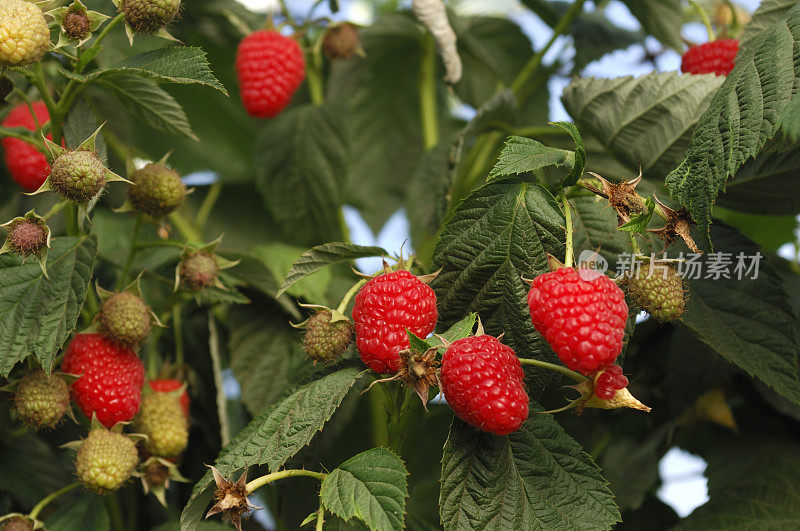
column 639, row 222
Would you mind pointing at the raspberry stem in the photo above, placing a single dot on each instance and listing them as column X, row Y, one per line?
column 705, row 19
column 579, row 378
column 427, row 93
column 568, row 258
column 320, row 516
column 349, row 295
column 257, row 483
column 49, row 498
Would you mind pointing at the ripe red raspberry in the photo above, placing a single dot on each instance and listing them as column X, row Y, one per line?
column 581, row 314
column 384, row 309
column 715, row 57
column 608, row 382
column 168, row 385
column 111, row 379
column 27, row 166
column 270, row 67
column 483, row 382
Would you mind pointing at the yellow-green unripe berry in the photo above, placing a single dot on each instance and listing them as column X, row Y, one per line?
column 156, row 190
column 41, row 400
column 24, row 35
column 149, row 16
column 106, row 460
column 198, row 270
column 162, row 419
column 125, row 318
column 660, row 292
column 78, row 176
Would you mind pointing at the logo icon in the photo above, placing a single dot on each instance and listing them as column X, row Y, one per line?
column 593, row 260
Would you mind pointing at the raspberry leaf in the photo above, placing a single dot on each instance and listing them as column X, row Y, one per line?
column 275, row 435
column 768, row 12
column 171, row 64
column 261, row 351
column 538, row 477
column 743, row 115
column 88, row 509
column 150, row 103
column 749, row 321
column 371, row 487
column 38, row 314
column 501, row 233
column 301, row 159
column 621, row 112
column 522, row 155
column 766, row 184
column 322, row 256
column 660, row 18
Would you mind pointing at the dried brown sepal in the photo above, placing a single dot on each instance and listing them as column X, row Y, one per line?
column 231, row 498
column 622, row 197
column 418, row 371
column 677, row 225
column 622, row 398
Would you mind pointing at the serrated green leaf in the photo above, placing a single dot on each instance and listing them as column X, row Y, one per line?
column 88, row 509
column 280, row 257
column 371, row 487
column 766, row 184
column 662, row 19
column 639, row 222
column 595, row 36
column 535, row 478
column 790, row 121
column 260, row 347
column 417, row 343
column 171, row 64
column 460, row 330
column 383, row 103
column 150, row 103
column 760, row 495
column 37, row 314
column 579, row 163
column 747, row 321
column 80, row 124
column 324, row 255
column 275, row 435
column 493, row 50
column 301, row 157
column 743, row 115
column 767, row 14
column 498, row 234
column 646, row 120
column 521, row 155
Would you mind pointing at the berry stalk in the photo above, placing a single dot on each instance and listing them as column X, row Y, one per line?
column 705, row 19
column 427, row 93
column 49, row 498
column 579, row 378
column 349, row 295
column 568, row 258
column 257, row 483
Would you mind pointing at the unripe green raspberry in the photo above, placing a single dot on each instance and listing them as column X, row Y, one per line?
column 27, row 236
column 156, row 190
column 24, row 35
column 41, row 400
column 106, row 460
column 161, row 418
column 324, row 340
column 125, row 318
column 660, row 292
column 149, row 16
column 78, row 175
column 198, row 270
